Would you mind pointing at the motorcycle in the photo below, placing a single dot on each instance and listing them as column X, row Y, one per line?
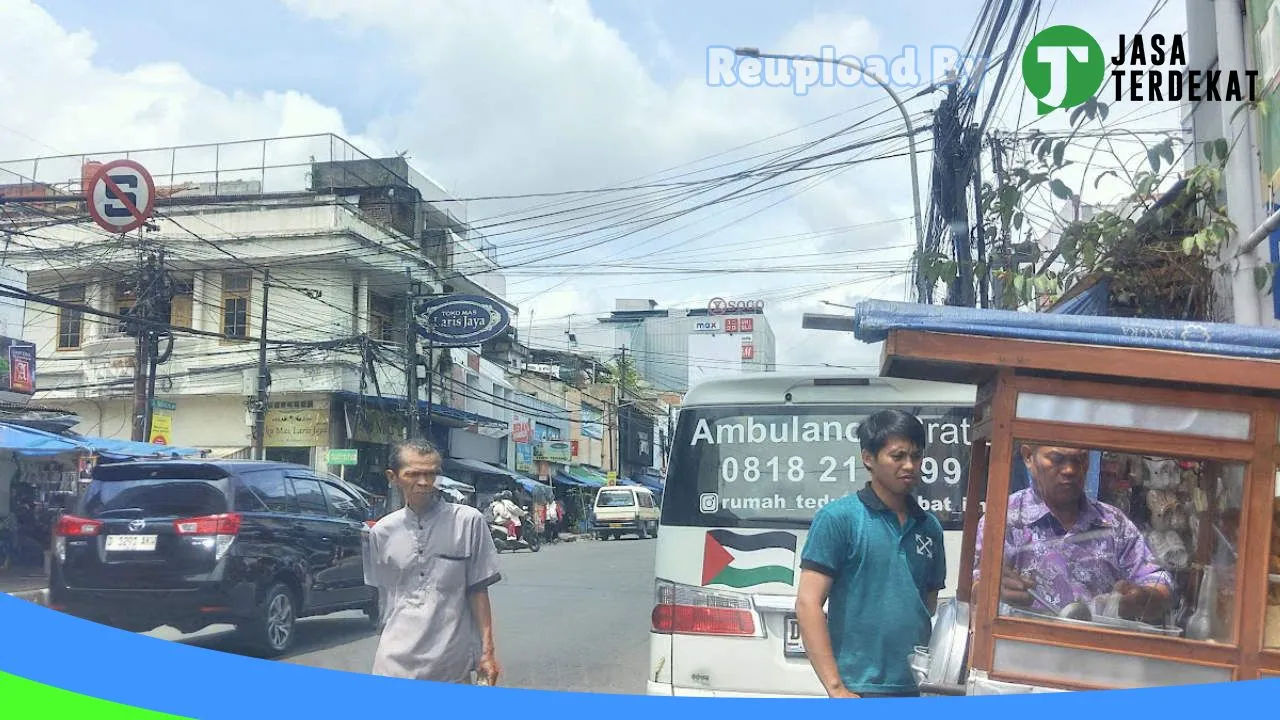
column 525, row 536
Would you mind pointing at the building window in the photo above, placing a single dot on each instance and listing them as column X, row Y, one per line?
column 236, row 288
column 124, row 300
column 183, row 299
column 382, row 319
column 70, row 322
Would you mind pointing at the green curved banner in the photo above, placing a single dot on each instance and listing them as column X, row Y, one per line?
column 29, row 699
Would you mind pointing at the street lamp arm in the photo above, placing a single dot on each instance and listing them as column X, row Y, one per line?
column 911, row 141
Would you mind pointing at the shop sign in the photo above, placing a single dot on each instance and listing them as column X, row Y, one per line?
column 462, row 320
column 301, row 427
column 17, row 366
column 342, row 456
column 521, row 431
column 556, row 451
column 706, row 326
column 161, row 429
column 524, row 457
column 720, row 306
column 375, row 425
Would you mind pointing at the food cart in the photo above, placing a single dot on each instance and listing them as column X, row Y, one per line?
column 1176, row 424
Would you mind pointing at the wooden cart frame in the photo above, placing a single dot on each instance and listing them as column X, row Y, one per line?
column 1003, row 370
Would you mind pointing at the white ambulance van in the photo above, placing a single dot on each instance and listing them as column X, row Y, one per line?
column 753, row 458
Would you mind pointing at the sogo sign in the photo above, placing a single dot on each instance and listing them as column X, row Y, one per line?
column 720, row 306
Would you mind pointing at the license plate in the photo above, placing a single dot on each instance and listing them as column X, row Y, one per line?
column 613, row 525
column 131, row 543
column 792, row 645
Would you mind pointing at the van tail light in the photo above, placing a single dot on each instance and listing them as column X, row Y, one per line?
column 686, row 610
column 223, row 528
column 72, row 526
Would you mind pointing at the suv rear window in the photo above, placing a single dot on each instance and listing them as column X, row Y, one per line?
column 155, row 497
column 615, row 498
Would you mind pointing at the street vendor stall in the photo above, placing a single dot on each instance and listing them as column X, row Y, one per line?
column 1122, row 520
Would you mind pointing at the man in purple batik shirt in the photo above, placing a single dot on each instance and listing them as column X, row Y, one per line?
column 1065, row 546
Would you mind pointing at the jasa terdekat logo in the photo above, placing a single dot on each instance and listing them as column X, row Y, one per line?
column 1064, row 66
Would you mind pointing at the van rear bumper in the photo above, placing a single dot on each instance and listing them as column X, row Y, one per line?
column 669, row 690
column 615, row 525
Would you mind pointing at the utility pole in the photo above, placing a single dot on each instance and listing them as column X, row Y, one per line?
column 264, row 378
column 1000, row 246
column 622, row 398
column 980, row 235
column 150, row 289
column 413, row 429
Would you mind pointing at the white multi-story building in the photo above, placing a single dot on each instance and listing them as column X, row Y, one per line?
column 345, row 238
column 673, row 349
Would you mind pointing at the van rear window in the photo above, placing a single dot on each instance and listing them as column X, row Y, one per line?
column 615, row 498
column 775, row 466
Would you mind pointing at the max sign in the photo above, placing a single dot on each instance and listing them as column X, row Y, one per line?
column 462, row 320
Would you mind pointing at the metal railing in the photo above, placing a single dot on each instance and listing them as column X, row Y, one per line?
column 261, row 166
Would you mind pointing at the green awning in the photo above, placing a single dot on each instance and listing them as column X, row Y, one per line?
column 587, row 475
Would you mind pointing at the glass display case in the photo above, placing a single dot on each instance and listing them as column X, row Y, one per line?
column 1122, row 522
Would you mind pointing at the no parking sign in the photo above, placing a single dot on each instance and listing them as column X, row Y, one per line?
column 121, row 196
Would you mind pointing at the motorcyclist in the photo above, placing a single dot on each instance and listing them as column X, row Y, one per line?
column 507, row 513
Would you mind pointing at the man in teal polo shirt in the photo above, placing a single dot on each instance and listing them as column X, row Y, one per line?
column 878, row 557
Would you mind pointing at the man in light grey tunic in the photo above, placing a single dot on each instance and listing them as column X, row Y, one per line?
column 432, row 562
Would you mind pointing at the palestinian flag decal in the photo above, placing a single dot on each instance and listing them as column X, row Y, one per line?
column 740, row 560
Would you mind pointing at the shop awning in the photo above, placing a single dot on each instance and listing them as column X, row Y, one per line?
column 533, row 487
column 29, row 441
column 588, row 477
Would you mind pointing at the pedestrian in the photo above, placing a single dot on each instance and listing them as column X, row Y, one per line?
column 878, row 557
column 432, row 562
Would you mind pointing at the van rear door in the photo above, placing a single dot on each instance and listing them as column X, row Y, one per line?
column 742, row 488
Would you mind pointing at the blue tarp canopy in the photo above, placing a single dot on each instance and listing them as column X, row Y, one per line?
column 565, row 478
column 653, row 482
column 874, row 319
column 30, row 441
column 118, row 449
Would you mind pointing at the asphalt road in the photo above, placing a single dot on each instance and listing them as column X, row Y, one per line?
column 573, row 617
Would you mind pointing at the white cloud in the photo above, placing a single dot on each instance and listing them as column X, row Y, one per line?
column 72, row 105
column 530, row 97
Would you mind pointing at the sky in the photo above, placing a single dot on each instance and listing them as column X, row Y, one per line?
column 505, row 98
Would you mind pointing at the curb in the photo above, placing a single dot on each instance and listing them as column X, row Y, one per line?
column 39, row 597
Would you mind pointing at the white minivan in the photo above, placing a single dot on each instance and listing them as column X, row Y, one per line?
column 753, row 457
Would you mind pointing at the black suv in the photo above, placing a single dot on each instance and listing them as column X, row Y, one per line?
column 193, row 543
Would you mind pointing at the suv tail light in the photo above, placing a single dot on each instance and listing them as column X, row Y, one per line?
column 72, row 526
column 687, row 610
column 227, row 524
column 222, row 527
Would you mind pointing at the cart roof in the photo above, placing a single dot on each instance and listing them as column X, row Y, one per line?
column 968, row 345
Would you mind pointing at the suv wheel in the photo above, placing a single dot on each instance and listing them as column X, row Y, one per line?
column 272, row 631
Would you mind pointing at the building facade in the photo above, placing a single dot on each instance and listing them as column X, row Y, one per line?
column 674, row 349
column 347, row 239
